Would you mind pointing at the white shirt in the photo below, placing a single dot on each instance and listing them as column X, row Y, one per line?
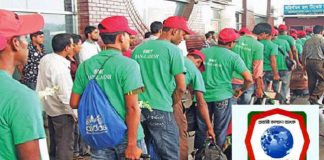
column 183, row 48
column 88, row 50
column 54, row 71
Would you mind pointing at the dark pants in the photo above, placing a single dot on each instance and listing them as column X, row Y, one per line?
column 285, row 79
column 161, row 134
column 181, row 121
column 315, row 72
column 80, row 148
column 61, row 132
column 246, row 97
column 221, row 112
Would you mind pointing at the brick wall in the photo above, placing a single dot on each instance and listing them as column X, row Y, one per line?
column 91, row 12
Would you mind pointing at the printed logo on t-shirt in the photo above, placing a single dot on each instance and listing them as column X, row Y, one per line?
column 147, row 54
column 213, row 63
column 100, row 76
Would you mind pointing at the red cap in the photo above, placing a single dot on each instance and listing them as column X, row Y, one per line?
column 116, row 24
column 177, row 22
column 301, row 33
column 274, row 31
column 228, row 35
column 309, row 30
column 12, row 24
column 244, row 30
column 202, row 56
column 294, row 35
column 293, row 31
column 282, row 27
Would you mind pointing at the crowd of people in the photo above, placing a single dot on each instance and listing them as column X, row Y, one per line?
column 231, row 67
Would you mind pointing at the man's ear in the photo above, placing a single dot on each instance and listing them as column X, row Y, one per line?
column 15, row 44
column 173, row 31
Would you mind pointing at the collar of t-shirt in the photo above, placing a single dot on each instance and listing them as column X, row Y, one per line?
column 110, row 52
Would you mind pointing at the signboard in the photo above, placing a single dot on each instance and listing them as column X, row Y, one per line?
column 304, row 9
column 275, row 132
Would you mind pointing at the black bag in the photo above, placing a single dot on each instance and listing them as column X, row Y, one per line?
column 191, row 117
column 289, row 62
column 210, row 152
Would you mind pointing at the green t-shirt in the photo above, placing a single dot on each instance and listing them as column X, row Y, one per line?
column 288, row 38
column 193, row 76
column 160, row 61
column 220, row 65
column 283, row 45
column 299, row 48
column 20, row 116
column 119, row 76
column 250, row 50
column 270, row 49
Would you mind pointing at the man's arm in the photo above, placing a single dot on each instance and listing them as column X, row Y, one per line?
column 74, row 101
column 247, row 83
column 132, row 121
column 257, row 77
column 180, row 88
column 273, row 64
column 29, row 150
column 203, row 109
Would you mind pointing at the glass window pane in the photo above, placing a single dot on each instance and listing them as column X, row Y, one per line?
column 38, row 5
column 158, row 10
column 55, row 24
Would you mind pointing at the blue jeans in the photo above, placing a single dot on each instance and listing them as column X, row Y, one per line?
column 116, row 153
column 222, row 113
column 246, row 97
column 161, row 134
column 284, row 76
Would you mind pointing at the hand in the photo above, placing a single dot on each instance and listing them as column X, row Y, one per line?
column 133, row 152
column 276, row 77
column 259, row 92
column 211, row 133
column 300, row 66
column 237, row 93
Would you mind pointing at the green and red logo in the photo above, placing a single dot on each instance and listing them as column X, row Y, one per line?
column 277, row 134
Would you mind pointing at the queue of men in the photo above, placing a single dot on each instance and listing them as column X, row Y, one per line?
column 229, row 70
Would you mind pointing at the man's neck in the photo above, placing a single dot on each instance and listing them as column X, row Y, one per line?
column 90, row 40
column 7, row 63
column 224, row 46
column 38, row 46
column 165, row 36
column 63, row 54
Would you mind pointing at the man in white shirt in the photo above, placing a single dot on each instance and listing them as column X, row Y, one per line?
column 90, row 47
column 54, row 72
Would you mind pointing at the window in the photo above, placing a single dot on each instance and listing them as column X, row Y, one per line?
column 59, row 15
column 238, row 18
column 215, row 21
column 158, row 10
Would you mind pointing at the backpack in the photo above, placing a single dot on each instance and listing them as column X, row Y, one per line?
column 211, row 152
column 99, row 123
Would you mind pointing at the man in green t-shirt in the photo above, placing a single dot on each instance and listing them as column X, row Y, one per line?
column 264, row 32
column 120, row 80
column 21, row 122
column 283, row 51
column 162, row 66
column 220, row 65
column 251, row 51
column 283, row 34
column 196, row 87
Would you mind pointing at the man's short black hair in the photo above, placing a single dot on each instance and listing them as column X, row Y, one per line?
column 76, row 38
column 262, row 28
column 212, row 32
column 36, row 34
column 155, row 27
column 89, row 29
column 166, row 29
column 147, row 34
column 60, row 41
column 318, row 29
column 208, row 35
